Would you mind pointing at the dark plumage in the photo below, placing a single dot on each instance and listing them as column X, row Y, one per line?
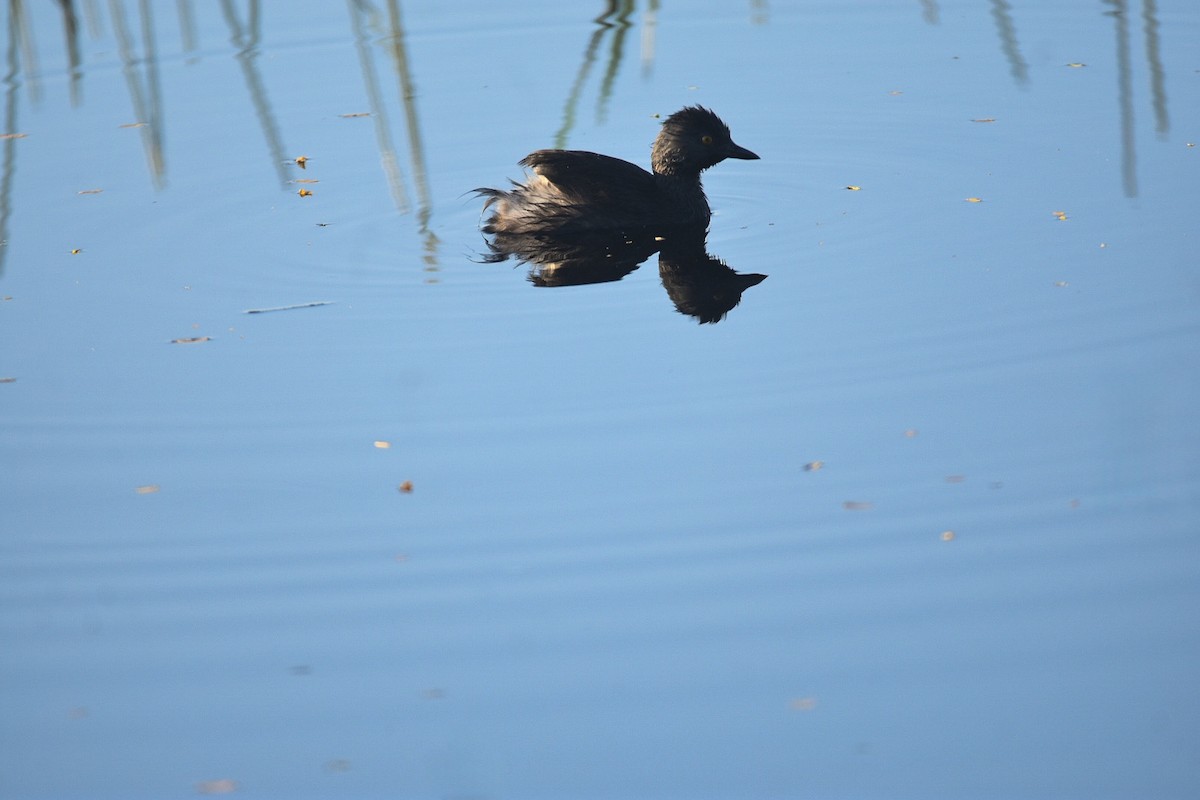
column 574, row 191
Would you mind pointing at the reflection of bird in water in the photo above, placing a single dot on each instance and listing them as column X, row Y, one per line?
column 575, row 259
column 573, row 191
column 701, row 285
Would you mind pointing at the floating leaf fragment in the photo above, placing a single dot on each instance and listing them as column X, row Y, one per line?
column 854, row 188
column 305, row 193
column 947, row 536
column 306, row 180
column 973, row 199
column 382, row 445
column 813, row 466
column 90, row 191
column 192, row 340
column 1076, row 64
column 13, row 135
column 1061, row 216
column 133, row 125
column 149, row 488
column 302, row 162
column 856, row 505
column 405, row 488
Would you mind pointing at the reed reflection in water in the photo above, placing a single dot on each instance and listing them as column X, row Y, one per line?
column 136, row 42
column 136, row 38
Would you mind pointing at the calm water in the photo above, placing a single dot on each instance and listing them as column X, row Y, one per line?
column 918, row 519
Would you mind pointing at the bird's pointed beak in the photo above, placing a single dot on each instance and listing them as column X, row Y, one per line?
column 737, row 151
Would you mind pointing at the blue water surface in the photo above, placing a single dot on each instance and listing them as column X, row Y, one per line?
column 917, row 519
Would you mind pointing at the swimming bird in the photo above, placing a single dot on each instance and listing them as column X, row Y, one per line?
column 575, row 191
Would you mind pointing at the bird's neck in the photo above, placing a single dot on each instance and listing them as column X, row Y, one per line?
column 685, row 195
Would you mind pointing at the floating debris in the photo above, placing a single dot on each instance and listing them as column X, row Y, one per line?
column 221, row 786
column 802, row 704
column 8, row 380
column 947, row 536
column 813, row 466
column 855, row 505
column 13, row 135
column 192, row 340
column 1076, row 64
column 133, row 125
column 973, row 199
column 90, row 191
column 955, row 478
column 302, row 162
column 1061, row 284
column 76, row 251
column 984, row 119
column 381, row 445
column 854, row 188
column 305, row 193
column 288, row 308
column 1061, row 216
column 150, row 488
column 356, row 115
column 405, row 488
column 911, row 433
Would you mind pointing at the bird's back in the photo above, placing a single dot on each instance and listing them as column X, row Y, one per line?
column 578, row 191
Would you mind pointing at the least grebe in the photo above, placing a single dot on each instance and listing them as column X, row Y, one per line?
column 577, row 191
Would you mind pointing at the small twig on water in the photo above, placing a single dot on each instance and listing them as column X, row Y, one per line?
column 288, row 308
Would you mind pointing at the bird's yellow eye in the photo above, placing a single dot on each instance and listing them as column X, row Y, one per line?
column 706, row 139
